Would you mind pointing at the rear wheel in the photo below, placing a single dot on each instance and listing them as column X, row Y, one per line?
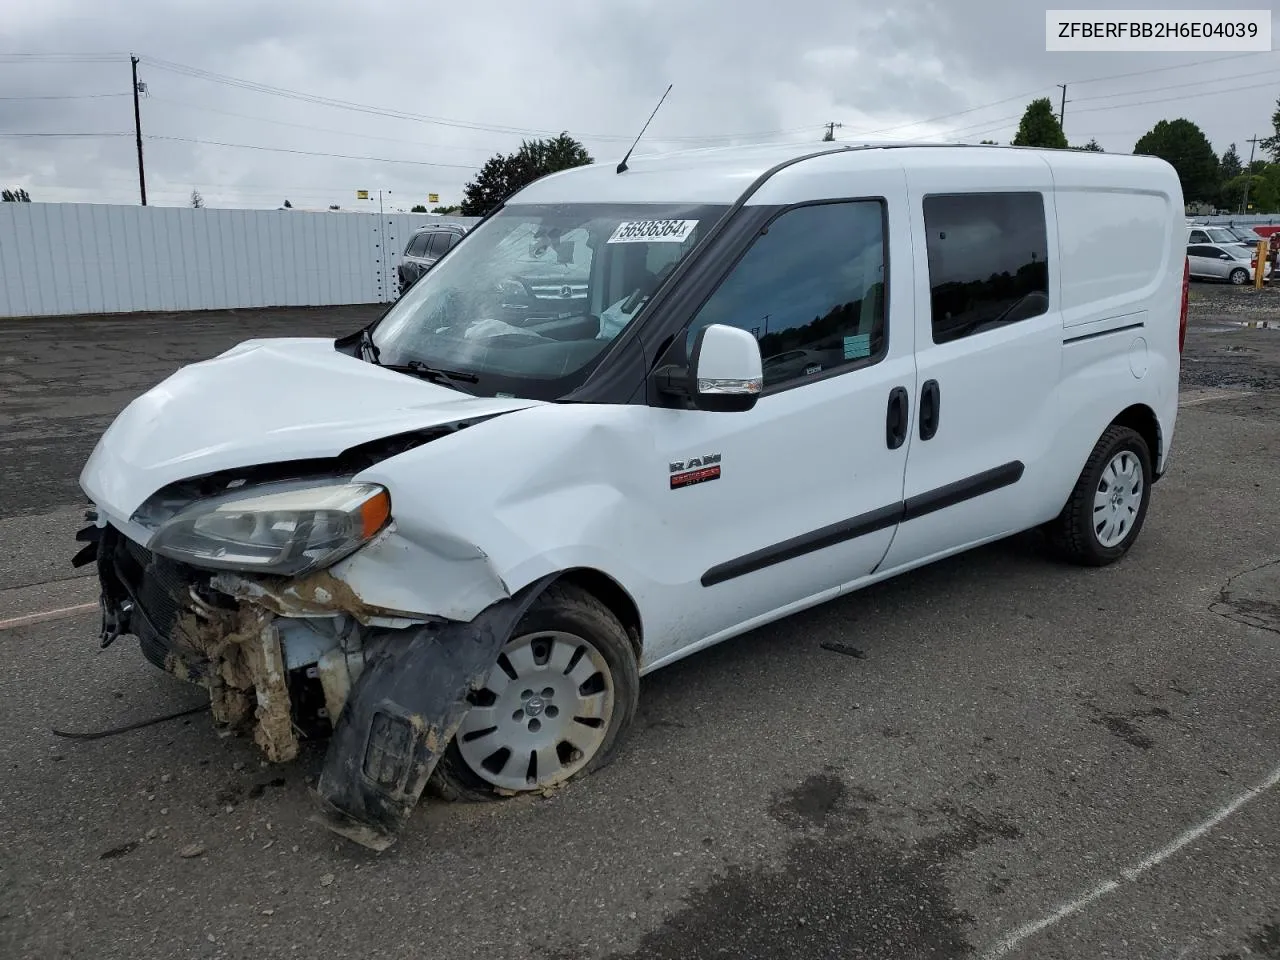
column 1239, row 276
column 1108, row 505
column 555, row 705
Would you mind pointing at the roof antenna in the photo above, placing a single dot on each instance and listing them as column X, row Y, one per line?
column 622, row 167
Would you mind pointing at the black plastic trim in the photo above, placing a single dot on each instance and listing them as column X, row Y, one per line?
column 953, row 493
column 1103, row 333
column 818, row 539
column 967, row 489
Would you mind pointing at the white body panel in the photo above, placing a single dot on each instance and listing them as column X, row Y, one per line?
column 546, row 487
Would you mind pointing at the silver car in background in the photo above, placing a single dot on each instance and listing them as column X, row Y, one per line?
column 1232, row 262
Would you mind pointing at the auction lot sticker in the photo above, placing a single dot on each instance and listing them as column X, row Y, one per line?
column 653, row 231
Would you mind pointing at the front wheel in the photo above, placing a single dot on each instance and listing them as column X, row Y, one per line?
column 1108, row 505
column 1239, row 276
column 554, row 706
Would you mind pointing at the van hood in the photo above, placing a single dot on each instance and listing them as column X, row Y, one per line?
column 263, row 401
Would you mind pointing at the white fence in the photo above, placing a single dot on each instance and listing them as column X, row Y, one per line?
column 71, row 258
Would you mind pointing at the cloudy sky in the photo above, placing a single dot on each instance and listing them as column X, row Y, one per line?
column 411, row 98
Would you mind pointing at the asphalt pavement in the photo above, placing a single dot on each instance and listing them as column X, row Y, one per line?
column 1001, row 756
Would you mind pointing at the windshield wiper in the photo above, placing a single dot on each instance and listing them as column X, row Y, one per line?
column 435, row 374
column 368, row 348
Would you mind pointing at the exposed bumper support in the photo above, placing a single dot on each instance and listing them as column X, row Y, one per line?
column 401, row 714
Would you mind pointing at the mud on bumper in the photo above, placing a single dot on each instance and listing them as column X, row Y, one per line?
column 391, row 725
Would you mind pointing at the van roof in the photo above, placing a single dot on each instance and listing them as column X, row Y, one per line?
column 720, row 175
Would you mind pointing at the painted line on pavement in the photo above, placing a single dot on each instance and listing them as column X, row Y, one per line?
column 1132, row 873
column 57, row 614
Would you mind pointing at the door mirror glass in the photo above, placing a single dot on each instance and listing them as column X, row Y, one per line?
column 725, row 369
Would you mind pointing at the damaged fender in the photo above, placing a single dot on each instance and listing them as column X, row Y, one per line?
column 400, row 716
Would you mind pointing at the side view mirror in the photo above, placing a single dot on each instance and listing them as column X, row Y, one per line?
column 724, row 373
column 1224, row 256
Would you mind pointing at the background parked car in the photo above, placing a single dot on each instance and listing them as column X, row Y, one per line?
column 425, row 247
column 1233, row 262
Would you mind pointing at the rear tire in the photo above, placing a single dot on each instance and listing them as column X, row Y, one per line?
column 567, row 643
column 1106, row 510
column 1239, row 276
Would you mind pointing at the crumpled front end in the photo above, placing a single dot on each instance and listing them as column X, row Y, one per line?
column 279, row 677
column 292, row 659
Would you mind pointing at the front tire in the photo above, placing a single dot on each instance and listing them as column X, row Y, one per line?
column 555, row 706
column 1107, row 507
column 1239, row 277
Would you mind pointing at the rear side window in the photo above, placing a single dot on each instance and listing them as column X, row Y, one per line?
column 811, row 290
column 1202, row 251
column 417, row 246
column 439, row 244
column 988, row 261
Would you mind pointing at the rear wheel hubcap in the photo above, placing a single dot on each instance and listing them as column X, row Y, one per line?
column 1118, row 499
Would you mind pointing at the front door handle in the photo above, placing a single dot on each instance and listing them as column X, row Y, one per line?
column 930, row 409
column 897, row 419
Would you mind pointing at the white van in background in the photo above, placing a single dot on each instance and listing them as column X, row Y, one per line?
column 453, row 541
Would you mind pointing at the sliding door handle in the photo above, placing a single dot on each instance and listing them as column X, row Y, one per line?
column 897, row 418
column 930, row 409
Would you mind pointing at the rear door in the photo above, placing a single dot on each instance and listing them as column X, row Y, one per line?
column 988, row 353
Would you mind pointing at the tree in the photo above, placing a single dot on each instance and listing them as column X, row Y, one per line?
column 18, row 195
column 1230, row 167
column 418, row 208
column 1040, row 127
column 1092, row 146
column 453, row 208
column 288, row 205
column 1271, row 144
column 1183, row 145
column 503, row 175
column 334, row 206
column 197, row 201
column 990, row 142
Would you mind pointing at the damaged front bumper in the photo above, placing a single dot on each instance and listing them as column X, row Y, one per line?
column 305, row 659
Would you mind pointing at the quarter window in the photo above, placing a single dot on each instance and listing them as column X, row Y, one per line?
column 988, row 261
column 811, row 289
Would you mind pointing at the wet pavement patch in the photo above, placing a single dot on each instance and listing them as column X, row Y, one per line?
column 121, row 851
column 842, row 892
column 1123, row 726
column 1252, row 597
column 1263, row 944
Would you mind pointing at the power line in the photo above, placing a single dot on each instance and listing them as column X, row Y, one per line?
column 1176, row 66
column 125, row 133
column 73, row 96
column 1176, row 86
column 200, row 74
column 308, row 126
column 310, row 153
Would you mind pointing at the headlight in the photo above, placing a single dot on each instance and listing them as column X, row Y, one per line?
column 288, row 532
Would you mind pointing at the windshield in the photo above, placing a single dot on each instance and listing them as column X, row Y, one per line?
column 1221, row 235
column 529, row 300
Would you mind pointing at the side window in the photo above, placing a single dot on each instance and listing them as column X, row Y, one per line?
column 1199, row 236
column 439, row 244
column 988, row 261
column 417, row 246
column 1201, row 251
column 811, row 289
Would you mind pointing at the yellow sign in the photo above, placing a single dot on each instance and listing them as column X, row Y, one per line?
column 362, row 194
column 433, row 198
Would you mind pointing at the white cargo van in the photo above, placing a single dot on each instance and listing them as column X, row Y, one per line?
column 454, row 541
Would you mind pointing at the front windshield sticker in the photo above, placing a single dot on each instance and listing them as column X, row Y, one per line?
column 653, row 231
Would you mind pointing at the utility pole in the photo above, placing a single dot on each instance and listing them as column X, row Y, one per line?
column 137, row 130
column 831, row 130
column 1248, row 175
column 1062, row 110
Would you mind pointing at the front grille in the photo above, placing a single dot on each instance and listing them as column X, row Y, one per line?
column 159, row 591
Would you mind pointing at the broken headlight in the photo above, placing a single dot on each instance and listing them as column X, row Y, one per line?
column 284, row 532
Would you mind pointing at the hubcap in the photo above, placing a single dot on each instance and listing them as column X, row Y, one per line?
column 1117, row 499
column 542, row 714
